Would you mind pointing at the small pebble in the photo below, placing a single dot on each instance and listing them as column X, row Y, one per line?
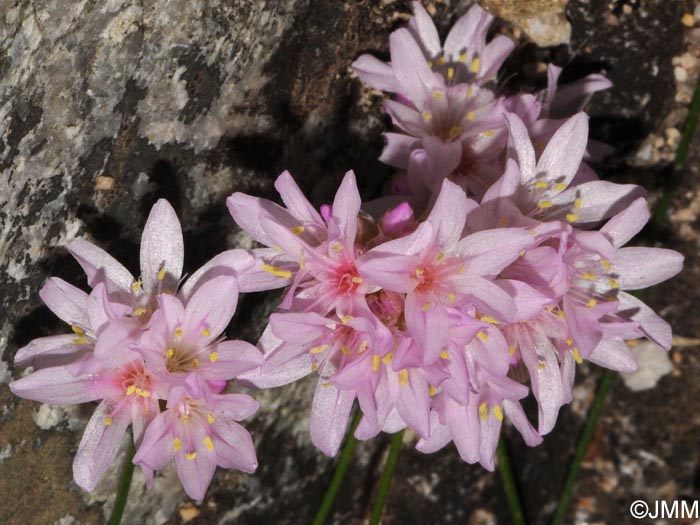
column 188, row 512
column 688, row 20
column 104, row 182
column 680, row 74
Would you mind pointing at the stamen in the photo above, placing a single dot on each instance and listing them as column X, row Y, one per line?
column 559, row 186
column 577, row 356
column 375, row 363
column 471, row 115
column 454, row 131
column 427, row 115
column 498, row 412
column 606, row 264
column 613, row 283
column 475, row 65
column 357, row 280
column 483, row 411
column 130, row 390
column 577, row 203
column 206, row 332
column 387, row 358
column 190, row 455
column 345, row 349
column 79, row 340
column 571, row 217
column 432, row 390
column 298, row 230
column 463, row 57
column 276, row 271
column 139, row 311
column 107, row 421
column 363, row 347
column 589, row 276
column 569, row 341
column 488, row 133
column 195, row 363
column 450, row 73
column 545, row 204
column 511, row 350
column 403, row 377
column 210, row 418
column 177, row 444
column 451, row 296
column 77, row 330
column 591, row 303
column 178, row 333
column 445, row 354
column 208, row 443
column 483, row 336
column 213, row 357
column 319, row 349
column 437, row 95
column 136, row 286
column 427, row 306
column 440, row 256
column 161, row 273
column 541, row 185
column 487, row 319
column 169, row 353
column 540, row 366
column 346, row 318
column 441, row 61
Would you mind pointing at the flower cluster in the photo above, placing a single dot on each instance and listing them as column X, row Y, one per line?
column 153, row 356
column 482, row 277
column 495, row 266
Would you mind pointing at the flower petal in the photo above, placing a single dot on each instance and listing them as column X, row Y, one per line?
column 329, row 417
column 625, row 225
column 230, row 262
column 66, row 301
column 57, row 386
column 162, row 247
column 234, row 447
column 101, row 266
column 212, row 306
column 643, row 267
column 376, row 74
column 49, row 351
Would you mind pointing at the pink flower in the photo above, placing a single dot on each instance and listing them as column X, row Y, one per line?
column 199, row 430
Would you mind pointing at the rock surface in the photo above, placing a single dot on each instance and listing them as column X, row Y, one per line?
column 107, row 106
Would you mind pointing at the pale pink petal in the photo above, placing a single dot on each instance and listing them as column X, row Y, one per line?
column 413, row 403
column 515, row 413
column 295, row 201
column 654, row 327
column 156, row 448
column 464, row 30
column 625, row 225
column 520, row 146
column 162, row 247
column 598, row 200
column 99, row 445
column 442, row 159
column 643, row 267
column 398, row 149
column 406, row 118
column 234, row 262
column 487, row 296
column 212, row 306
column 423, row 28
column 66, row 301
column 614, row 354
column 392, row 272
column 196, row 474
column 562, row 156
column 427, row 322
column 234, row 447
column 49, row 351
column 493, row 56
column 411, row 68
column 346, row 206
column 112, row 345
column 376, row 74
column 488, row 252
column 229, row 359
column 101, row 266
column 329, row 417
column 235, row 406
column 57, row 386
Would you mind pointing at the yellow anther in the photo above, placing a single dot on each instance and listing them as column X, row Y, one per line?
column 591, row 303
column 577, row 356
column 387, row 358
column 613, row 283
column 445, row 354
column 483, row 336
column 363, row 347
column 195, row 363
column 375, row 363
column 569, row 341
column 432, row 390
column 208, row 443
column 169, row 353
column 522, row 252
column 427, row 306
column 577, row 203
column 357, row 280
column 437, row 95
column 498, row 412
column 337, row 247
column 441, row 61
column 319, row 349
column 606, row 264
column 488, row 133
column 418, row 272
column 430, row 64
column 177, row 444
column 475, row 65
column 130, row 390
column 460, row 268
column 178, row 333
column 487, row 319
column 140, row 310
column 138, row 391
column 210, row 418
column 107, row 421
column 346, row 318
column 450, row 73
column 463, row 57
column 440, row 256
column 79, row 340
column 545, row 204
column 277, row 248
column 190, row 455
column 561, row 314
column 206, row 332
column 588, row 276
column 533, row 233
column 276, row 271
column 571, row 217
column 326, row 385
column 403, row 377
column 451, row 296
column 470, row 91
column 540, row 184
column 454, row 131
column 427, row 115
column 511, row 350
column 471, row 115
column 213, row 357
column 345, row 349
column 136, row 286
column 77, row 330
column 559, row 186
column 314, row 367
column 503, row 221
column 483, row 411
column 302, row 262
column 298, row 230
column 161, row 273
column 540, row 366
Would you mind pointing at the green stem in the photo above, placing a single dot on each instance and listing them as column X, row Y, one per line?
column 124, row 485
column 656, row 223
column 385, row 481
column 585, row 440
column 339, row 474
column 509, row 485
